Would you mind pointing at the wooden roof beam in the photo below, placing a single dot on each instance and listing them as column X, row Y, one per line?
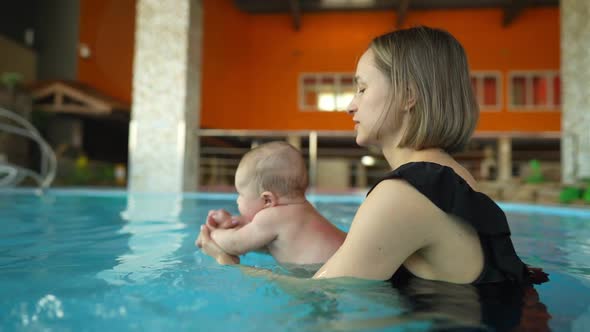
column 513, row 10
column 295, row 8
column 402, row 12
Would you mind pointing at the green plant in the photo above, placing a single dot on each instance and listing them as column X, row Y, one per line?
column 82, row 174
column 536, row 174
column 569, row 194
column 105, row 174
column 11, row 79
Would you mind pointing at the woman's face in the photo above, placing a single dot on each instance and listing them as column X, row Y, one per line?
column 370, row 102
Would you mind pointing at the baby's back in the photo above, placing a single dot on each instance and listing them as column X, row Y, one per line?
column 304, row 236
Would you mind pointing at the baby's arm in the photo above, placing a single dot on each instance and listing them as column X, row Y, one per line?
column 253, row 236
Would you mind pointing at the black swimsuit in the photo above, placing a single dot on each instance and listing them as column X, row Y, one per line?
column 450, row 193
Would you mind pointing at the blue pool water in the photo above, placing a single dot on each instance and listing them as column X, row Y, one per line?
column 100, row 260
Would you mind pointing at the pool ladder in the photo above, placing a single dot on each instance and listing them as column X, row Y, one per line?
column 12, row 175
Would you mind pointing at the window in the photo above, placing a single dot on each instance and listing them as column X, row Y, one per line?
column 326, row 92
column 486, row 87
column 534, row 90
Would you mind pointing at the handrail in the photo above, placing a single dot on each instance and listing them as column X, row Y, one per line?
column 351, row 133
column 272, row 133
column 13, row 174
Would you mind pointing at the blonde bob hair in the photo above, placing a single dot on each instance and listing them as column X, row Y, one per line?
column 428, row 69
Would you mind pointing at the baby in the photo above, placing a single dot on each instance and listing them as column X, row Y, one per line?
column 275, row 215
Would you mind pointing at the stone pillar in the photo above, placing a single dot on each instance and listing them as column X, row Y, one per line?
column 575, row 75
column 504, row 159
column 163, row 146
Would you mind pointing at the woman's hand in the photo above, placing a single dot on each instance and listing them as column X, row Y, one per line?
column 209, row 247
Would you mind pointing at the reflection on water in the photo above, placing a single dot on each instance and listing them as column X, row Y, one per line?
column 155, row 234
column 501, row 307
column 53, row 248
column 451, row 306
column 348, row 304
column 577, row 249
column 582, row 323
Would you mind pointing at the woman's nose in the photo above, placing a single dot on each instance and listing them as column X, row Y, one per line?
column 351, row 109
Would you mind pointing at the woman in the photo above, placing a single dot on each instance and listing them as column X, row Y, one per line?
column 424, row 219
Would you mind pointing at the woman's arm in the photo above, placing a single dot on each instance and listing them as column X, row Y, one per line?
column 388, row 227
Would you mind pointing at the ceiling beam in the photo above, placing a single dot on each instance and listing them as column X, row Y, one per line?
column 295, row 8
column 513, row 11
column 278, row 6
column 402, row 12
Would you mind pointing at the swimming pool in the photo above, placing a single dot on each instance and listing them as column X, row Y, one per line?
column 79, row 260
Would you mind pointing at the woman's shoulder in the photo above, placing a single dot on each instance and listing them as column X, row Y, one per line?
column 398, row 199
column 395, row 206
column 451, row 193
column 427, row 172
column 431, row 176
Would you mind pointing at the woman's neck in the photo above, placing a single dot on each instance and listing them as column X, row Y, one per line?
column 397, row 156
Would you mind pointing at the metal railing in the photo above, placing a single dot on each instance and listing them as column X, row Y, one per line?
column 312, row 144
column 306, row 140
column 11, row 175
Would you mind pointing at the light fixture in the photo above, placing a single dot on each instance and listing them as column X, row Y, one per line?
column 368, row 161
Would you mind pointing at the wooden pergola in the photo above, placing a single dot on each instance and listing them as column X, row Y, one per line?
column 74, row 98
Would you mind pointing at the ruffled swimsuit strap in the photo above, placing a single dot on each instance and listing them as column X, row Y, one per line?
column 450, row 193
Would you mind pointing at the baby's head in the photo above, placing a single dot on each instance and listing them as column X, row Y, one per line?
column 267, row 174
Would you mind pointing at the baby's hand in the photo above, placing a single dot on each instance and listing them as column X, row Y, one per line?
column 209, row 247
column 219, row 219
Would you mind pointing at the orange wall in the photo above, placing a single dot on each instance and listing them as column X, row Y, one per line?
column 108, row 28
column 251, row 63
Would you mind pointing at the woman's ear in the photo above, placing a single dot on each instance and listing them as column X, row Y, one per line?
column 410, row 101
column 270, row 199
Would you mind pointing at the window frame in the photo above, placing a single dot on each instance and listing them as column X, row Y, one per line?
column 480, row 76
column 336, row 76
column 529, row 75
